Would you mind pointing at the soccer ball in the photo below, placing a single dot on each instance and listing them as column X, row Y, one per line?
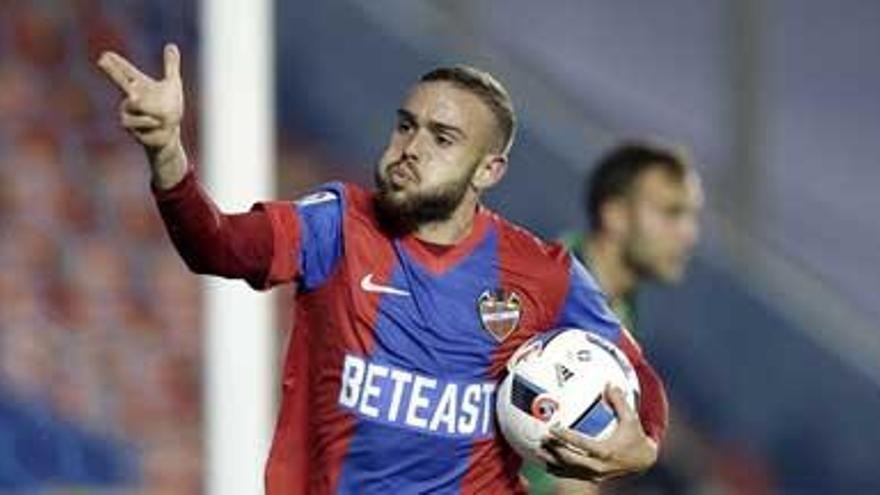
column 559, row 377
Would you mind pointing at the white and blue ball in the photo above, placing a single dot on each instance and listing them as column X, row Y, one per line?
column 559, row 377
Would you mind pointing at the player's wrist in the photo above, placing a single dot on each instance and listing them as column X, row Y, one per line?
column 168, row 163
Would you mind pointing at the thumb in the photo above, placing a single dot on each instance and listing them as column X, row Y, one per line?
column 172, row 61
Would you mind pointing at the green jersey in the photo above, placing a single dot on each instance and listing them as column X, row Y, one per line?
column 624, row 307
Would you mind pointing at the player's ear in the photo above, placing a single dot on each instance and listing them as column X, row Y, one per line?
column 615, row 219
column 489, row 172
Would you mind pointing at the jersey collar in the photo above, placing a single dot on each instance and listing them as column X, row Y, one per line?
column 443, row 261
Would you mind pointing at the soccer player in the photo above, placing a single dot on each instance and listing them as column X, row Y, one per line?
column 642, row 203
column 410, row 298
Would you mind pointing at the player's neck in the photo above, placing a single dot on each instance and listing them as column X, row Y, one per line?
column 607, row 264
column 452, row 230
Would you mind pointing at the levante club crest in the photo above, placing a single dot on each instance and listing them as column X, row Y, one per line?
column 500, row 311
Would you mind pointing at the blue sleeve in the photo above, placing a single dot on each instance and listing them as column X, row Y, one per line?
column 320, row 214
column 585, row 305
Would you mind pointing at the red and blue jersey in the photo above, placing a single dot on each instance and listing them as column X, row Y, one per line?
column 397, row 347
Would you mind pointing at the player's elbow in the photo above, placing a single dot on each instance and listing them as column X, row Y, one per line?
column 196, row 264
column 198, row 255
column 220, row 261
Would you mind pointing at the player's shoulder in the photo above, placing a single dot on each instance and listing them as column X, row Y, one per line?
column 339, row 194
column 525, row 246
column 359, row 199
column 328, row 192
column 349, row 203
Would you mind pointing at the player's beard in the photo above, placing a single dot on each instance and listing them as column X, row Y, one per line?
column 634, row 258
column 404, row 214
column 644, row 263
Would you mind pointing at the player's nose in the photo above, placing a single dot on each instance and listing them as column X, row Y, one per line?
column 413, row 148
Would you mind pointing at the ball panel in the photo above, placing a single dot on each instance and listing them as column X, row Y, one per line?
column 597, row 422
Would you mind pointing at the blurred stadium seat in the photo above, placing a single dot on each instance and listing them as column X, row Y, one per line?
column 99, row 341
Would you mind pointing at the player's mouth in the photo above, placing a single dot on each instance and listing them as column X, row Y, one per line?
column 400, row 175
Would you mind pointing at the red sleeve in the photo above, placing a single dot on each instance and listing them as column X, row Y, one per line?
column 241, row 245
column 285, row 238
column 653, row 406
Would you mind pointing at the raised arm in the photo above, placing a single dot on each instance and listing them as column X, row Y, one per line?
column 210, row 242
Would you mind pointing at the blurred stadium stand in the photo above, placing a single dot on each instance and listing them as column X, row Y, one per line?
column 99, row 342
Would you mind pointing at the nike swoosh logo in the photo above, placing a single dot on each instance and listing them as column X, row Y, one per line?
column 368, row 286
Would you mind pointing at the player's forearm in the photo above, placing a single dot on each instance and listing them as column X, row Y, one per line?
column 211, row 242
column 168, row 165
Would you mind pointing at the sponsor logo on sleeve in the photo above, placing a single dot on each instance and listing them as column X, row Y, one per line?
column 316, row 198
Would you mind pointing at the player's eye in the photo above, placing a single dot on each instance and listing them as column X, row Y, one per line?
column 443, row 141
column 404, row 126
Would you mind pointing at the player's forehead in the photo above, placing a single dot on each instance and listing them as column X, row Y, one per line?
column 659, row 184
column 449, row 104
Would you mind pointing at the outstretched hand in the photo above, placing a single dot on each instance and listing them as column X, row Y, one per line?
column 151, row 109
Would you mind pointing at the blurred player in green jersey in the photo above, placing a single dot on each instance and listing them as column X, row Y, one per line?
column 642, row 203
